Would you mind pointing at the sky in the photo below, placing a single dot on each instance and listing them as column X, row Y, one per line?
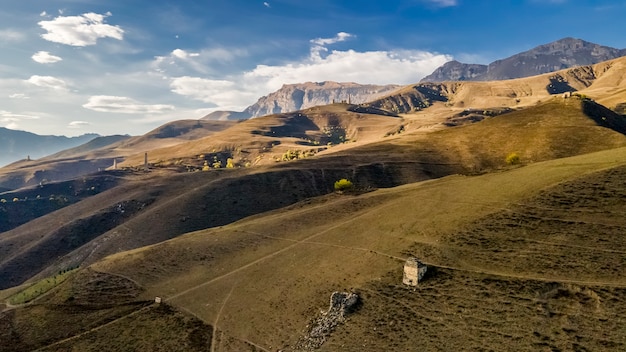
column 69, row 67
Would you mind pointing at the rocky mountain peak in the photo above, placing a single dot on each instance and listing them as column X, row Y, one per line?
column 293, row 97
column 554, row 56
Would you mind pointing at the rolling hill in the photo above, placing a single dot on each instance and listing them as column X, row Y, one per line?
column 522, row 252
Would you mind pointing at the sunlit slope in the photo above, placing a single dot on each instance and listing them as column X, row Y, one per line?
column 553, row 129
column 261, row 140
column 609, row 88
column 101, row 153
column 263, row 278
column 603, row 82
column 165, row 206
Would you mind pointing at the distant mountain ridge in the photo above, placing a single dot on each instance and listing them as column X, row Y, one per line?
column 17, row 145
column 294, row 97
column 558, row 55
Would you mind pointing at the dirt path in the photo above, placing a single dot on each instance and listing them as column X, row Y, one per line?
column 217, row 319
column 362, row 249
column 273, row 254
column 96, row 328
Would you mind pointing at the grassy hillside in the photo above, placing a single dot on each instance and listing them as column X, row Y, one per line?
column 523, row 251
column 165, row 205
column 603, row 81
column 264, row 140
column 479, row 273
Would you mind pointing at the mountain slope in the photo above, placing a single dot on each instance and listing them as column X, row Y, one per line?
column 299, row 96
column 558, row 55
column 603, row 81
column 16, row 145
column 257, row 251
column 358, row 243
column 100, row 153
column 166, row 205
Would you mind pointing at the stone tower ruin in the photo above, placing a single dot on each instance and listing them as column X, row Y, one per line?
column 414, row 272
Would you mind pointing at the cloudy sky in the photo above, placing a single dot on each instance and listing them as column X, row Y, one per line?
column 127, row 66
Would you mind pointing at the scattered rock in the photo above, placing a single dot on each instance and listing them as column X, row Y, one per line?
column 341, row 304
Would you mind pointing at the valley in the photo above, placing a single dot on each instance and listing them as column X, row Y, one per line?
column 232, row 237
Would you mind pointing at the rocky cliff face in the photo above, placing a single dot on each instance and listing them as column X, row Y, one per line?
column 456, row 71
column 558, row 55
column 293, row 97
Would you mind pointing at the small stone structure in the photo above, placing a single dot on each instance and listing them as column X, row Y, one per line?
column 341, row 304
column 414, row 271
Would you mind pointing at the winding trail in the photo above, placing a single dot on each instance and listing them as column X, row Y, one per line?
column 274, row 254
column 96, row 328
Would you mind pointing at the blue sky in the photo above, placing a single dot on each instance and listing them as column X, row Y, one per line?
column 127, row 66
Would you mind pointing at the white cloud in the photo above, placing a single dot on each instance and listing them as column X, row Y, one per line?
column 12, row 121
column 81, row 30
column 226, row 94
column 124, row 105
column 267, row 4
column 47, row 82
column 11, row 35
column 376, row 67
column 178, row 62
column 340, row 37
column 78, row 124
column 373, row 67
column 44, row 57
column 183, row 55
column 43, row 14
column 12, row 126
column 9, row 116
column 444, row 3
column 18, row 96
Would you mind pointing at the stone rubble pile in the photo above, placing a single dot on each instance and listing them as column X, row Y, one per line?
column 341, row 304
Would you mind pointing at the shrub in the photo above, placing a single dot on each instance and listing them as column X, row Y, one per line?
column 512, row 159
column 343, row 185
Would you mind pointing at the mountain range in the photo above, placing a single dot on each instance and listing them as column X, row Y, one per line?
column 17, row 145
column 564, row 53
column 558, row 55
column 245, row 235
column 293, row 97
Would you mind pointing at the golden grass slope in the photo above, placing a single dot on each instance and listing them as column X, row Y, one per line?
column 172, row 204
column 603, row 82
column 262, row 279
column 261, row 140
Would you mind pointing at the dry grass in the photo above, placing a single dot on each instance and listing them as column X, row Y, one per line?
column 500, row 241
column 305, row 253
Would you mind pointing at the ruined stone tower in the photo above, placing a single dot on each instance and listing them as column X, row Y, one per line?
column 414, row 272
